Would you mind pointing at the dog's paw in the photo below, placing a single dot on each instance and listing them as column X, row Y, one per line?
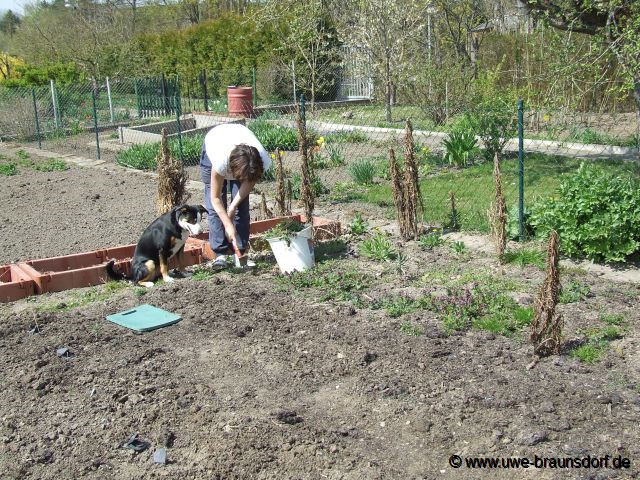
column 147, row 284
column 168, row 279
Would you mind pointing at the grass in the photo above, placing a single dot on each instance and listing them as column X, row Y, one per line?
column 526, row 256
column 378, row 248
column 407, row 328
column 354, row 136
column 598, row 340
column 80, row 298
column 474, row 187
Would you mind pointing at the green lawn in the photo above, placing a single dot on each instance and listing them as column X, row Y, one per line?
column 474, row 188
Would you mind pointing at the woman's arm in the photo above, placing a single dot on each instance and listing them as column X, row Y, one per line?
column 243, row 192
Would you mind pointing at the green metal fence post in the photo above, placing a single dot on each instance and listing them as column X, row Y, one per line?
column 95, row 120
column 521, row 169
column 178, row 113
column 255, row 90
column 139, row 103
column 203, row 80
column 35, row 111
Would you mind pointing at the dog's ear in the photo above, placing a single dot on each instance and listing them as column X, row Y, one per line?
column 202, row 209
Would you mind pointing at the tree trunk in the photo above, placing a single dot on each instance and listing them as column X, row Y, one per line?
column 387, row 75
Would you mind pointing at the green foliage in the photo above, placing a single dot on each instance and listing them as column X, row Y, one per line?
column 139, row 156
column 494, row 113
column 612, row 318
column 460, row 148
column 52, row 165
column 143, row 156
column 430, row 241
column 331, row 281
column 8, row 169
column 363, row 171
column 396, row 306
column 513, row 223
column 64, row 73
column 459, row 247
column 317, row 187
column 407, row 328
column 22, row 155
column 273, row 136
column 285, row 230
column 378, row 247
column 598, row 340
column 358, row 225
column 333, row 156
column 596, row 214
column 352, row 136
column 573, row 292
column 526, row 256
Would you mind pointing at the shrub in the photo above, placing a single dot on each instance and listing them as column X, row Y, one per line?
column 513, row 223
column 274, row 136
column 363, row 171
column 596, row 213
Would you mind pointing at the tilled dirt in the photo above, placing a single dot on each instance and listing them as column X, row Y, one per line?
column 263, row 381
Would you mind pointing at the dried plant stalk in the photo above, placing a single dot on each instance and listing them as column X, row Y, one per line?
column 306, row 193
column 265, row 211
column 546, row 327
column 289, row 195
column 412, row 197
column 172, row 178
column 399, row 193
column 280, row 186
column 454, row 222
column 499, row 212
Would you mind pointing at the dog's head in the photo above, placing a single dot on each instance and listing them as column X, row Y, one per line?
column 188, row 217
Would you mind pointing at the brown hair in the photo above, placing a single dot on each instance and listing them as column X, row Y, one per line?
column 245, row 163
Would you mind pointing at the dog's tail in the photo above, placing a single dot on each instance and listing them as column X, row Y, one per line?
column 113, row 275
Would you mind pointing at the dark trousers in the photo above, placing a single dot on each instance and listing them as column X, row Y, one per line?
column 217, row 237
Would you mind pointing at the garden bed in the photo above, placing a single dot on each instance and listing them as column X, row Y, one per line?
column 348, row 371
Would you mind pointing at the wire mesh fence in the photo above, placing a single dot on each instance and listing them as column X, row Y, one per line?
column 351, row 126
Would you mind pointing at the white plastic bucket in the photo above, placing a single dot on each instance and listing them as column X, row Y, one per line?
column 295, row 255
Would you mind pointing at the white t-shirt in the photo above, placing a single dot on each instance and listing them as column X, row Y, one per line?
column 222, row 139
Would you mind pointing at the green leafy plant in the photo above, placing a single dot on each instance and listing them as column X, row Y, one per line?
column 407, row 328
column 598, row 340
column 8, row 169
column 573, row 292
column 430, row 241
column 22, row 155
column 51, row 165
column 596, row 214
column 378, row 247
column 358, row 225
column 612, row 318
column 363, row 171
column 513, row 223
column 460, row 148
column 333, row 283
column 273, row 136
column 285, row 230
column 459, row 247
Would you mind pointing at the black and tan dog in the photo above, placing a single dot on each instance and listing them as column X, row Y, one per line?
column 163, row 239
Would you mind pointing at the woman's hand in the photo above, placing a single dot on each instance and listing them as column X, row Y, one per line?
column 231, row 233
column 232, row 212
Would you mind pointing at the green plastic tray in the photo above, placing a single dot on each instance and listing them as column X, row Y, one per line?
column 144, row 318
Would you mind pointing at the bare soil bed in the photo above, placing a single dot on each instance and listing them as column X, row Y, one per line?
column 268, row 377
